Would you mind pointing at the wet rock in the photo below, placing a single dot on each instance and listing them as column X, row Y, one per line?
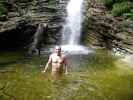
column 3, row 18
column 24, row 17
column 103, row 30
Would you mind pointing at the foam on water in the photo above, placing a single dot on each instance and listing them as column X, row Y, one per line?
column 75, row 49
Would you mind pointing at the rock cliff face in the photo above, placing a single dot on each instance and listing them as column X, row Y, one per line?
column 101, row 29
column 19, row 26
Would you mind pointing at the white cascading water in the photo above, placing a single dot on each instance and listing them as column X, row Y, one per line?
column 72, row 28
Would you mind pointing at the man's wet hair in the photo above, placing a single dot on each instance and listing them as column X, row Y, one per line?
column 58, row 46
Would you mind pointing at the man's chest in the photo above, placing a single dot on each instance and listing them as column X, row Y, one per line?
column 57, row 59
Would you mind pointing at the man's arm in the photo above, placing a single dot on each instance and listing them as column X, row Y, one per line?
column 48, row 63
column 66, row 65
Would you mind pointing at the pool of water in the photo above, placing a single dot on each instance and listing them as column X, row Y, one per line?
column 94, row 77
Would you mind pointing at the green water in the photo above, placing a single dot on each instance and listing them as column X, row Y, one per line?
column 100, row 77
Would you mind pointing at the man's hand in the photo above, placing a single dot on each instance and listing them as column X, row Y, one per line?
column 47, row 65
column 66, row 73
column 43, row 71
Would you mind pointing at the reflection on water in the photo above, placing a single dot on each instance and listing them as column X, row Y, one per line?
column 77, row 62
column 92, row 77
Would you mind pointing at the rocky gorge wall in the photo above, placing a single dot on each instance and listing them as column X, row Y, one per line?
column 19, row 25
column 101, row 29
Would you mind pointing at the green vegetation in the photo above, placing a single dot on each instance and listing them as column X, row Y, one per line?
column 108, row 3
column 129, row 14
column 120, row 7
column 3, row 7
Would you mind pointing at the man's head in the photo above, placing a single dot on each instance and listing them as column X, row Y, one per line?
column 58, row 49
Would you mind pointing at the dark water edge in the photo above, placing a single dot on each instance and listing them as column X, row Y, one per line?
column 93, row 77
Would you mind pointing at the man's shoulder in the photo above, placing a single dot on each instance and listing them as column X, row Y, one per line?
column 63, row 56
column 52, row 54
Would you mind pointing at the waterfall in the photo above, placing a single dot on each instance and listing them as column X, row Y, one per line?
column 72, row 27
column 38, row 37
column 71, row 31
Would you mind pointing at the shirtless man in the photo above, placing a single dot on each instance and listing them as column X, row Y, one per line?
column 58, row 61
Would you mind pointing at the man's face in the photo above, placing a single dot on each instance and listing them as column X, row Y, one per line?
column 58, row 50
